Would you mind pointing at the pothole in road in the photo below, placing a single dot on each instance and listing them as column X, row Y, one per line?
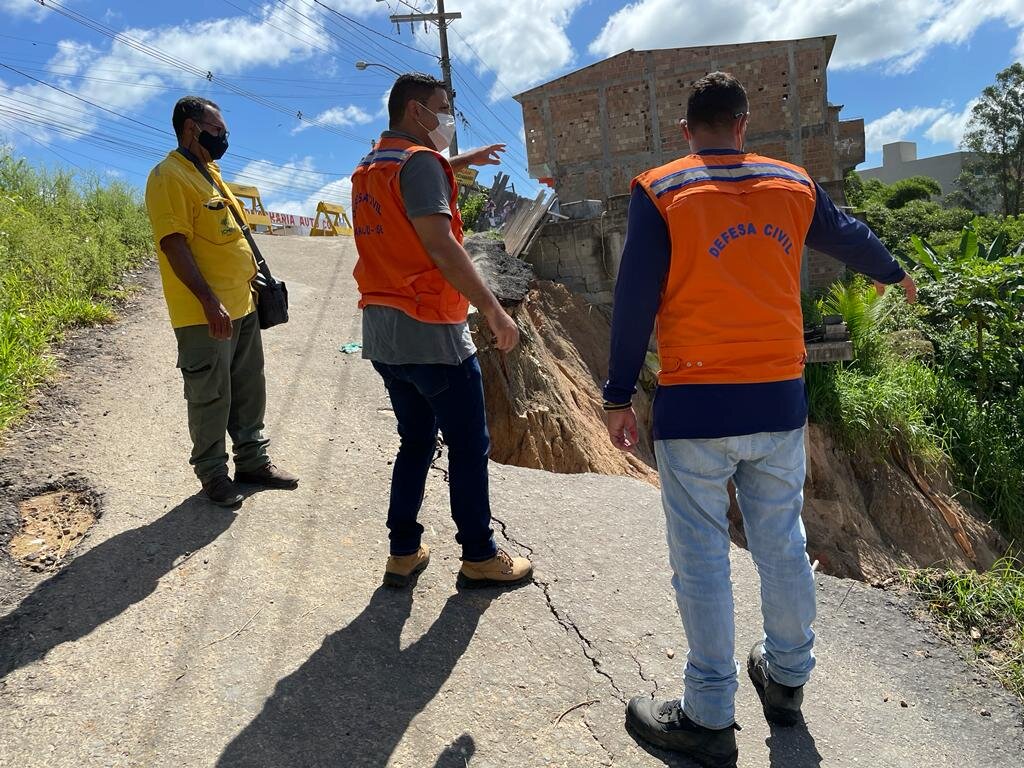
column 51, row 525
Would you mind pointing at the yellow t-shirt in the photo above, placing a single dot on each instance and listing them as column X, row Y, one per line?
column 179, row 200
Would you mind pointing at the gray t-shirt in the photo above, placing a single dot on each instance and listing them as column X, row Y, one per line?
column 389, row 335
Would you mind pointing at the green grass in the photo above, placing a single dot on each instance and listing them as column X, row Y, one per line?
column 895, row 397
column 986, row 443
column 64, row 245
column 986, row 608
column 881, row 400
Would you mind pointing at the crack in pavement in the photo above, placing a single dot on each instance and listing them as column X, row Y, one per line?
column 586, row 645
column 508, row 537
column 645, row 678
column 590, row 728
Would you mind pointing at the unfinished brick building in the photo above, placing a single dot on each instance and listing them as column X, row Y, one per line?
column 590, row 132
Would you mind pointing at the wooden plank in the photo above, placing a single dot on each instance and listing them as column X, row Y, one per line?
column 516, row 243
column 516, row 222
column 829, row 351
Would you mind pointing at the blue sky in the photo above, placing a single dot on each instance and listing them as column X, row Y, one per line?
column 72, row 96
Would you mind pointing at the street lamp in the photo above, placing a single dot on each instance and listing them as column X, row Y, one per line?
column 362, row 65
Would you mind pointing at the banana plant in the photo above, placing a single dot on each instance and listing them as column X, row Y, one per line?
column 976, row 286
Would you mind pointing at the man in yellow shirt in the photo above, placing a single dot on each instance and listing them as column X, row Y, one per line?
column 206, row 267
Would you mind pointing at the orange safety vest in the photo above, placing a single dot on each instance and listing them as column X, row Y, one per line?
column 393, row 268
column 730, row 309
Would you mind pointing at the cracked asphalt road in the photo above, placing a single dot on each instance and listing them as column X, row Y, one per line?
column 182, row 635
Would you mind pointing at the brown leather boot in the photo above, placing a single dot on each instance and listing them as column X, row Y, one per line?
column 401, row 568
column 268, row 476
column 502, row 570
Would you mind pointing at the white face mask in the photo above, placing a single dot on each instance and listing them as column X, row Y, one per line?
column 444, row 133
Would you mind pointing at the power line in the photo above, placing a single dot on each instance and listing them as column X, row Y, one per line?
column 340, row 20
column 266, row 20
column 161, row 131
column 144, row 152
column 374, row 31
column 208, row 75
column 44, row 146
column 166, row 60
column 486, row 65
column 351, row 95
column 484, row 104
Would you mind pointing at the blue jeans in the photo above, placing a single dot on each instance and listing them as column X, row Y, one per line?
column 768, row 469
column 449, row 397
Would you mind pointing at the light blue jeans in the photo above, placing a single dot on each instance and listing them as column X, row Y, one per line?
column 768, row 469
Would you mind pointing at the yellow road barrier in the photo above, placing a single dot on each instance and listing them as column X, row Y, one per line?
column 333, row 214
column 255, row 214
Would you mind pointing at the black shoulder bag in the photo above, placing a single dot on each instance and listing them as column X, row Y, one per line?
column 271, row 293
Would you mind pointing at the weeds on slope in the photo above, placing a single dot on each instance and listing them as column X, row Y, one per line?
column 64, row 245
column 987, row 608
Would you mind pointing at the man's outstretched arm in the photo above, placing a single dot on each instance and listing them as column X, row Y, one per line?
column 642, row 272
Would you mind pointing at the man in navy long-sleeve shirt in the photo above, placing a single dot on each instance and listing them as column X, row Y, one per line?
column 712, row 252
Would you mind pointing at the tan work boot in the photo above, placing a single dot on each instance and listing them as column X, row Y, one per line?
column 502, row 570
column 401, row 568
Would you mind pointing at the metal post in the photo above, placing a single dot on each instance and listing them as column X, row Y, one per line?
column 441, row 19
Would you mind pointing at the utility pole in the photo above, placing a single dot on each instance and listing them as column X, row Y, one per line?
column 441, row 19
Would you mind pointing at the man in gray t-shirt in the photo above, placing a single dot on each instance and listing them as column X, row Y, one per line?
column 389, row 335
column 430, row 369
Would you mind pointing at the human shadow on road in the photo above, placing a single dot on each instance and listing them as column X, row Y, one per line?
column 793, row 747
column 104, row 581
column 458, row 754
column 352, row 701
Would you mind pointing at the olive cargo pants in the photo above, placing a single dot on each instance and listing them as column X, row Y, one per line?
column 226, row 393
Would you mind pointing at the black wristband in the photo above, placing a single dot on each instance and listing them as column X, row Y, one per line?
column 609, row 407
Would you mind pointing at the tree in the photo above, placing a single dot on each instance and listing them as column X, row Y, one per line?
column 899, row 193
column 865, row 194
column 973, row 189
column 853, row 189
column 471, row 208
column 996, row 133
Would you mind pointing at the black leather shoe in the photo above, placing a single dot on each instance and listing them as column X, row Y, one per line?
column 222, row 492
column 268, row 476
column 663, row 724
column 781, row 703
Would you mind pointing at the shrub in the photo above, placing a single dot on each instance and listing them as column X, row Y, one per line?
column 64, row 245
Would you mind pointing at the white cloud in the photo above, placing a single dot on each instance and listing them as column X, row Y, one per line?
column 295, row 187
column 522, row 42
column 72, row 57
column 341, row 117
column 225, row 47
column 383, row 112
column 950, row 127
column 945, row 125
column 869, row 31
column 24, row 8
column 898, row 125
column 361, row 7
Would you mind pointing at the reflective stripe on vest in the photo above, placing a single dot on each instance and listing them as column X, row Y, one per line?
column 393, row 268
column 730, row 311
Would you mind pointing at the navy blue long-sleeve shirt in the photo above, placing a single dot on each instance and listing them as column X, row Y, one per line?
column 717, row 410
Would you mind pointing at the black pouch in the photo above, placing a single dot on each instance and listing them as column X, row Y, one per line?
column 271, row 302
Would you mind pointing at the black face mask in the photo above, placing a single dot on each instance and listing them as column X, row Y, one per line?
column 215, row 145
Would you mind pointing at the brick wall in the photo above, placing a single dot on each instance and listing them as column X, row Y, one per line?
column 595, row 129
